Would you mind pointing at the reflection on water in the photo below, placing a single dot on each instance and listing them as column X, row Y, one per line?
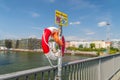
column 16, row 61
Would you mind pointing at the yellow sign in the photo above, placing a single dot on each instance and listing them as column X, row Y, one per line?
column 61, row 18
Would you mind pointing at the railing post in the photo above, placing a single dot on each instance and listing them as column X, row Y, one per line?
column 99, row 69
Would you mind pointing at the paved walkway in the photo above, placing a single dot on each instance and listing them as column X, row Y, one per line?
column 117, row 76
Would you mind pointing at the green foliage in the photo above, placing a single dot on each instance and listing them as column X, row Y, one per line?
column 92, row 45
column 98, row 50
column 72, row 48
column 17, row 44
column 113, row 50
column 81, row 46
column 8, row 43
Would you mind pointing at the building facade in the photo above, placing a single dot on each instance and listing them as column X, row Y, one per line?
column 115, row 43
column 86, row 44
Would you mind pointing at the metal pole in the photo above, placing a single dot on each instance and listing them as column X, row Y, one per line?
column 108, row 37
column 58, row 77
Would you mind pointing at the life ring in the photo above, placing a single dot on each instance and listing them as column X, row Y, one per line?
column 54, row 33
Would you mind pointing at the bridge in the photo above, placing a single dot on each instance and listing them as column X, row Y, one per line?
column 97, row 68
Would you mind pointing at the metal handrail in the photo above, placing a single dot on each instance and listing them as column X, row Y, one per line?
column 97, row 68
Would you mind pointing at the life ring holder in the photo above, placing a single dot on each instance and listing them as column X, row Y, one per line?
column 47, row 33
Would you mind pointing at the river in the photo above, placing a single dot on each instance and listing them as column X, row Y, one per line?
column 17, row 61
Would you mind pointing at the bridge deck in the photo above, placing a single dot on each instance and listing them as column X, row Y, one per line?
column 116, row 76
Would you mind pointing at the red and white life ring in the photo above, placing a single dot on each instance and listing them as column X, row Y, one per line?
column 54, row 33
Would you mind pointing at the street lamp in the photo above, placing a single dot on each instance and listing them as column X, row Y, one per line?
column 108, row 31
column 108, row 36
column 106, row 24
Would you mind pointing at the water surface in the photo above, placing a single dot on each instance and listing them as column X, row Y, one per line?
column 17, row 61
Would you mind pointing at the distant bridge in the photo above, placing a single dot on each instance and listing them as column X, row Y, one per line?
column 97, row 68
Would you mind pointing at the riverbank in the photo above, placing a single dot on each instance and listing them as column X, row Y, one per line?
column 83, row 53
column 23, row 50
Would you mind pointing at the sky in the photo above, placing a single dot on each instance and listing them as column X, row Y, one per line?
column 86, row 18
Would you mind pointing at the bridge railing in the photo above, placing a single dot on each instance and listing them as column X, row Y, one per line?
column 97, row 68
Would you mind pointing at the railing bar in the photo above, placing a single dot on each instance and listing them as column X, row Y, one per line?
column 42, row 76
column 26, row 77
column 65, row 71
column 70, row 74
column 35, row 76
column 86, row 71
column 74, row 70
column 54, row 75
column 90, row 72
column 97, row 69
column 77, row 71
column 48, row 75
column 75, row 77
column 17, row 78
column 82, row 71
column 97, row 63
column 93, row 70
column 73, row 66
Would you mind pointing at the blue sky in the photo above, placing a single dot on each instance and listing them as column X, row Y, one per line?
column 28, row 18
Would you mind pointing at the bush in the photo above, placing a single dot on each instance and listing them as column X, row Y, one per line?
column 100, row 50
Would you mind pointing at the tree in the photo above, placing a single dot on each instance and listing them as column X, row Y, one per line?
column 80, row 46
column 8, row 43
column 92, row 45
column 17, row 44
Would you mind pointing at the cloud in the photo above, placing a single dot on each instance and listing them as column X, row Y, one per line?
column 72, row 38
column 32, row 36
column 75, row 23
column 8, row 36
column 103, row 23
column 90, row 33
column 35, row 15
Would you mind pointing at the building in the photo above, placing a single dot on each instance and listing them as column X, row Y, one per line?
column 86, row 44
column 29, row 43
column 2, row 43
column 99, row 44
column 115, row 43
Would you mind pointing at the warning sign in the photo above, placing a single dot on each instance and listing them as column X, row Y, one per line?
column 61, row 18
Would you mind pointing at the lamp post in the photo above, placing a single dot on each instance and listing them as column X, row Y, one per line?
column 107, row 41
column 108, row 37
